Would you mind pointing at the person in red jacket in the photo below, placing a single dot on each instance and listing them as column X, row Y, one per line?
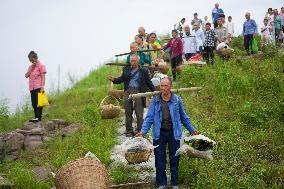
column 176, row 55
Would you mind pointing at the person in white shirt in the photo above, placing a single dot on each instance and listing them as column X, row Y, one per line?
column 266, row 32
column 199, row 37
column 270, row 16
column 180, row 26
column 205, row 22
column 189, row 43
column 230, row 28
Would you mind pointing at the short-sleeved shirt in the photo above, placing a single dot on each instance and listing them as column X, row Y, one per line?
column 35, row 79
column 216, row 14
column 209, row 38
column 278, row 22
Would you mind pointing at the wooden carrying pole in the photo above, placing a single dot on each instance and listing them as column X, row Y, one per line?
column 148, row 94
column 152, row 68
column 131, row 185
column 149, row 50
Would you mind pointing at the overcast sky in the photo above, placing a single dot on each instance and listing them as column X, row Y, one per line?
column 78, row 35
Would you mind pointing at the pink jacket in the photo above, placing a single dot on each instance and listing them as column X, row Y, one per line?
column 35, row 79
column 176, row 45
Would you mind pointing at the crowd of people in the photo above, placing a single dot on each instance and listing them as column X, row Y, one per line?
column 166, row 112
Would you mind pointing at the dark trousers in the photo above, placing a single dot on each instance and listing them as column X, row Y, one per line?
column 129, row 106
column 174, row 63
column 215, row 24
column 188, row 56
column 209, row 55
column 34, row 98
column 248, row 42
column 166, row 137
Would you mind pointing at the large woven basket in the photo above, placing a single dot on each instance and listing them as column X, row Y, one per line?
column 226, row 52
column 82, row 173
column 109, row 107
column 179, row 68
column 116, row 93
column 138, row 156
column 164, row 68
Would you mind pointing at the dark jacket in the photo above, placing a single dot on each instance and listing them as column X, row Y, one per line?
column 144, row 79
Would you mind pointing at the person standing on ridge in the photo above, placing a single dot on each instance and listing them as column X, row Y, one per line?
column 176, row 56
column 249, row 31
column 180, row 27
column 216, row 13
column 36, row 74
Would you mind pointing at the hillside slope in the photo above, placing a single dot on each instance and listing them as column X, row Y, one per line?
column 240, row 106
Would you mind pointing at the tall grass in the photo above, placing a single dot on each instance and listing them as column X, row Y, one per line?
column 241, row 107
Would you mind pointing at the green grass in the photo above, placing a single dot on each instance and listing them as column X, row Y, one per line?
column 79, row 105
column 240, row 106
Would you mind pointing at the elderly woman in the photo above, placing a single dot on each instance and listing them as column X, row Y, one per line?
column 142, row 45
column 249, row 31
column 36, row 74
column 153, row 44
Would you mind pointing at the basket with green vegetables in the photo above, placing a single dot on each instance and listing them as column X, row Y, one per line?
column 198, row 146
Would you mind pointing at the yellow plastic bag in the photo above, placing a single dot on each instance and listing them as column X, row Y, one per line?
column 42, row 99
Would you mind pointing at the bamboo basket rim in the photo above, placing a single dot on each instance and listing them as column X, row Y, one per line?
column 113, row 98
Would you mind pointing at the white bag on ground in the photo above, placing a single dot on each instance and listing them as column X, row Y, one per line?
column 220, row 46
column 198, row 146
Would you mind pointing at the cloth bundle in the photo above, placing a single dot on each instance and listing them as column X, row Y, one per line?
column 197, row 146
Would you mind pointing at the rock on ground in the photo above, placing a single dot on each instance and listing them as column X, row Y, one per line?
column 43, row 172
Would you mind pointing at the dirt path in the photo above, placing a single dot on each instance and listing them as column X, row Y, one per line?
column 145, row 170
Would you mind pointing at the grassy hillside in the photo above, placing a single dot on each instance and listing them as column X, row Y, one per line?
column 240, row 106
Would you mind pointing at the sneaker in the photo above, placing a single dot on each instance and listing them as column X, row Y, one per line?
column 34, row 120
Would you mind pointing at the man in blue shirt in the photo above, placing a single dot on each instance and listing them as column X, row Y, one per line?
column 249, row 31
column 166, row 113
column 216, row 13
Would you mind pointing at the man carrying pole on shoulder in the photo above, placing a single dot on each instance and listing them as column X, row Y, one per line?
column 166, row 113
column 136, row 80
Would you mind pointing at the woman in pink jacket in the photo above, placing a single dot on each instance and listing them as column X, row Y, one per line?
column 36, row 74
column 176, row 47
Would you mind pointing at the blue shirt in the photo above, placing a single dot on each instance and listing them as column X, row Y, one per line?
column 134, row 81
column 178, row 116
column 278, row 22
column 249, row 27
column 216, row 14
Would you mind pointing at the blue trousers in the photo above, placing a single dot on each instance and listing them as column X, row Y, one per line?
column 166, row 137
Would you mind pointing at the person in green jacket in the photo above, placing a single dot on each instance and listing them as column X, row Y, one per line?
column 134, row 50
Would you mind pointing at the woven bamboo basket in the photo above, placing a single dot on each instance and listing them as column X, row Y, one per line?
column 82, row 173
column 179, row 68
column 109, row 107
column 164, row 68
column 138, row 156
column 116, row 93
column 226, row 52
